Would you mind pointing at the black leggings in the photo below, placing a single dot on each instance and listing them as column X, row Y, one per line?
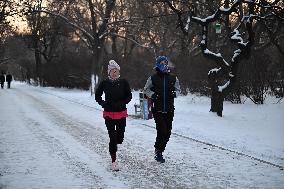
column 164, row 128
column 116, row 129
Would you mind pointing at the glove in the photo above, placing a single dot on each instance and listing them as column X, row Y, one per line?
column 103, row 104
column 173, row 94
column 154, row 96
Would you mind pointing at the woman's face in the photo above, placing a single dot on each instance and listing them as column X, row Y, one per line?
column 114, row 73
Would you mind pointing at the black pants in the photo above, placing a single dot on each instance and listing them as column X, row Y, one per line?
column 164, row 128
column 2, row 85
column 9, row 84
column 116, row 129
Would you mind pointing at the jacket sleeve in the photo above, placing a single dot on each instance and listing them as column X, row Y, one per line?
column 177, row 87
column 147, row 87
column 128, row 93
column 99, row 93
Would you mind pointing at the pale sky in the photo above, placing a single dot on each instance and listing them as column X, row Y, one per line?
column 18, row 23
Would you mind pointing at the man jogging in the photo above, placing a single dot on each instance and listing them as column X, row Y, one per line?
column 162, row 88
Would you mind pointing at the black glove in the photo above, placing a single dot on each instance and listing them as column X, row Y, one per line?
column 173, row 94
column 154, row 96
column 103, row 104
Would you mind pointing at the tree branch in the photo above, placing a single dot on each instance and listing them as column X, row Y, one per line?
column 87, row 34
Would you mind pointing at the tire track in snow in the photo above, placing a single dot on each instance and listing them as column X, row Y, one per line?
column 140, row 173
column 56, row 147
column 185, row 137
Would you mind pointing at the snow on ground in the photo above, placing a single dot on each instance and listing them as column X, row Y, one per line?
column 56, row 138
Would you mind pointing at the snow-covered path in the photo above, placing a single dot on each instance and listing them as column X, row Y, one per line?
column 49, row 142
column 37, row 153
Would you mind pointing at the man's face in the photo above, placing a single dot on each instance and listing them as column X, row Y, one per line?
column 164, row 62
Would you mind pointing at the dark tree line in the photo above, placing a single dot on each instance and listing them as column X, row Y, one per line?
column 68, row 43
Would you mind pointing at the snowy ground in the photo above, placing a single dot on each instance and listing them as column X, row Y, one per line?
column 56, row 138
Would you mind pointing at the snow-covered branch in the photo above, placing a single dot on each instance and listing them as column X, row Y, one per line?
column 217, row 56
column 223, row 87
column 214, row 71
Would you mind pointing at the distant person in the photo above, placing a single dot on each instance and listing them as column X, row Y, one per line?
column 2, row 80
column 162, row 88
column 117, row 95
column 8, row 80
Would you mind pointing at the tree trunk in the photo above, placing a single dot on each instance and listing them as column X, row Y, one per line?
column 94, row 72
column 216, row 99
column 97, row 67
column 38, row 74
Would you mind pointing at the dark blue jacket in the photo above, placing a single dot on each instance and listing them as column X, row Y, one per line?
column 162, row 88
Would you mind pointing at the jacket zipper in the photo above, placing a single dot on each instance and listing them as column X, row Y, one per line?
column 164, row 94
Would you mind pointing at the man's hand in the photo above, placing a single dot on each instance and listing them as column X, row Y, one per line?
column 154, row 96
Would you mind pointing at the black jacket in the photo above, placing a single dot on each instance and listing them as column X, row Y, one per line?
column 2, row 78
column 162, row 88
column 8, row 78
column 117, row 95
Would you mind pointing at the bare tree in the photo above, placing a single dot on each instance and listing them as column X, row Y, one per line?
column 6, row 9
column 223, row 77
column 99, row 14
column 34, row 20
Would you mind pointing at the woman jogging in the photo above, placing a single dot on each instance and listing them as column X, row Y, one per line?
column 117, row 95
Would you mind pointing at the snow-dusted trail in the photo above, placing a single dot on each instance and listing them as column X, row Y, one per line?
column 47, row 142
column 35, row 151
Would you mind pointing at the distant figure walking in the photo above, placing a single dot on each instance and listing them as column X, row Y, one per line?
column 117, row 95
column 8, row 80
column 2, row 80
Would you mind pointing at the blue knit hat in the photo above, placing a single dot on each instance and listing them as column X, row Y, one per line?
column 159, row 59
column 162, row 67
